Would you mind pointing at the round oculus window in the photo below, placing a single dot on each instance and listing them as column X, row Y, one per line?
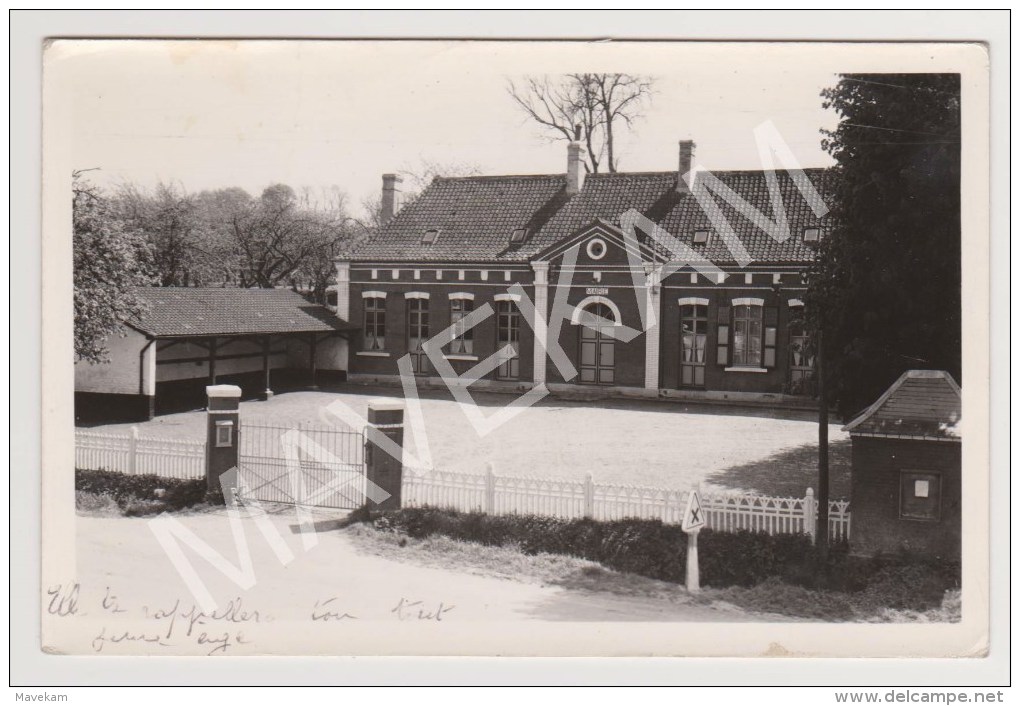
column 597, row 248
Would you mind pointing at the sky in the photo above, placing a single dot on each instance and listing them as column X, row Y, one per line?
column 318, row 114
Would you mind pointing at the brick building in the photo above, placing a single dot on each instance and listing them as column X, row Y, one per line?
column 906, row 478
column 722, row 324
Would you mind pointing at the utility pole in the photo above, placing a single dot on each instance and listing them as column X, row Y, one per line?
column 822, row 532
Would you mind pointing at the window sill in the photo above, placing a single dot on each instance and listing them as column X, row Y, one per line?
column 373, row 354
column 745, row 369
column 460, row 356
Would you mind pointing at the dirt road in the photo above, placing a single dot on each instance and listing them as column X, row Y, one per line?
column 128, row 583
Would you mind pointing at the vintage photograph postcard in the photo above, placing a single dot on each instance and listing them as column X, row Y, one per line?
column 519, row 348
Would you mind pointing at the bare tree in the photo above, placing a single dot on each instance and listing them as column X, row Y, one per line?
column 588, row 107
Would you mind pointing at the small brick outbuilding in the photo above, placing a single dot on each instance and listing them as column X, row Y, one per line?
column 906, row 480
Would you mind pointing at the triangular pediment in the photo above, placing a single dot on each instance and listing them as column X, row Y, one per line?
column 613, row 236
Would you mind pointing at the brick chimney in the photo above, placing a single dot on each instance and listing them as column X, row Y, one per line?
column 686, row 164
column 575, row 166
column 390, row 189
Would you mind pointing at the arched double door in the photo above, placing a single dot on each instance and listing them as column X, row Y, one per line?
column 597, row 346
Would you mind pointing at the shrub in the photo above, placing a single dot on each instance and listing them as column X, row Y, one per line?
column 916, row 586
column 141, row 494
column 774, row 573
column 100, row 503
column 647, row 547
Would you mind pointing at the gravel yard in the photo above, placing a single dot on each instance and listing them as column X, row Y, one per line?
column 638, row 442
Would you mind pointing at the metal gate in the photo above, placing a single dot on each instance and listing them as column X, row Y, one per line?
column 301, row 465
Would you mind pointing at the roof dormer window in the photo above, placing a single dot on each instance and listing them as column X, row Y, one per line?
column 812, row 235
column 700, row 237
column 430, row 236
column 518, row 236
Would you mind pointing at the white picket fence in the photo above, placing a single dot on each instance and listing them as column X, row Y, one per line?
column 132, row 453
column 569, row 499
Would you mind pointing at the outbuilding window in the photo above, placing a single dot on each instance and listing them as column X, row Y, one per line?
column 920, row 495
column 224, row 434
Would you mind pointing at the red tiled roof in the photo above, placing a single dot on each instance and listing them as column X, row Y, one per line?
column 476, row 215
column 207, row 311
column 921, row 404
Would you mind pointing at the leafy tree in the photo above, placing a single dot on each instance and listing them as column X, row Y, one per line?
column 885, row 291
column 169, row 216
column 587, row 106
column 109, row 261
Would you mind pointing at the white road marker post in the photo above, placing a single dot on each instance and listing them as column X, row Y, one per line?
column 694, row 520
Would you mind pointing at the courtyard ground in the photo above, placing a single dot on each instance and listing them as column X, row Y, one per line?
column 638, row 442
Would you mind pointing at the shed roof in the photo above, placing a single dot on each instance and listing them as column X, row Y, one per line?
column 475, row 216
column 221, row 311
column 922, row 404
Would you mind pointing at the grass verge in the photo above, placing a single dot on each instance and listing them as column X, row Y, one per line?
column 755, row 571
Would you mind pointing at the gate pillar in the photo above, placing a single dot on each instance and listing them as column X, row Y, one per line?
column 383, row 468
column 221, row 446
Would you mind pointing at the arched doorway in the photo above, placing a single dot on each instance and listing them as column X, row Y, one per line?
column 597, row 345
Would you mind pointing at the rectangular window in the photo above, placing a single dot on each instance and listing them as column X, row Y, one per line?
column 802, row 356
column 920, row 496
column 418, row 334
column 700, row 237
column 747, row 328
column 375, row 324
column 693, row 340
column 508, row 333
column 463, row 344
column 811, row 235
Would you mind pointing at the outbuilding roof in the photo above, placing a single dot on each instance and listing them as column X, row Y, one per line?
column 476, row 216
column 221, row 311
column 923, row 404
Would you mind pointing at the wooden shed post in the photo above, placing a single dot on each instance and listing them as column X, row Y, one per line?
column 267, row 392
column 311, row 362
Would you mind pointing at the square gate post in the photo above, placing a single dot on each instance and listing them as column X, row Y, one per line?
column 385, row 469
column 221, row 448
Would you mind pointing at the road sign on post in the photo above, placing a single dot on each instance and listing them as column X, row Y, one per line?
column 694, row 517
column 694, row 520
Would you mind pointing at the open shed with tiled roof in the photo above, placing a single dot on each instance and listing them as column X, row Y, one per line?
column 183, row 339
column 906, row 482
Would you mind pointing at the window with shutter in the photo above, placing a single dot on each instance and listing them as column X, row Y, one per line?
column 722, row 339
column 747, row 335
column 771, row 330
